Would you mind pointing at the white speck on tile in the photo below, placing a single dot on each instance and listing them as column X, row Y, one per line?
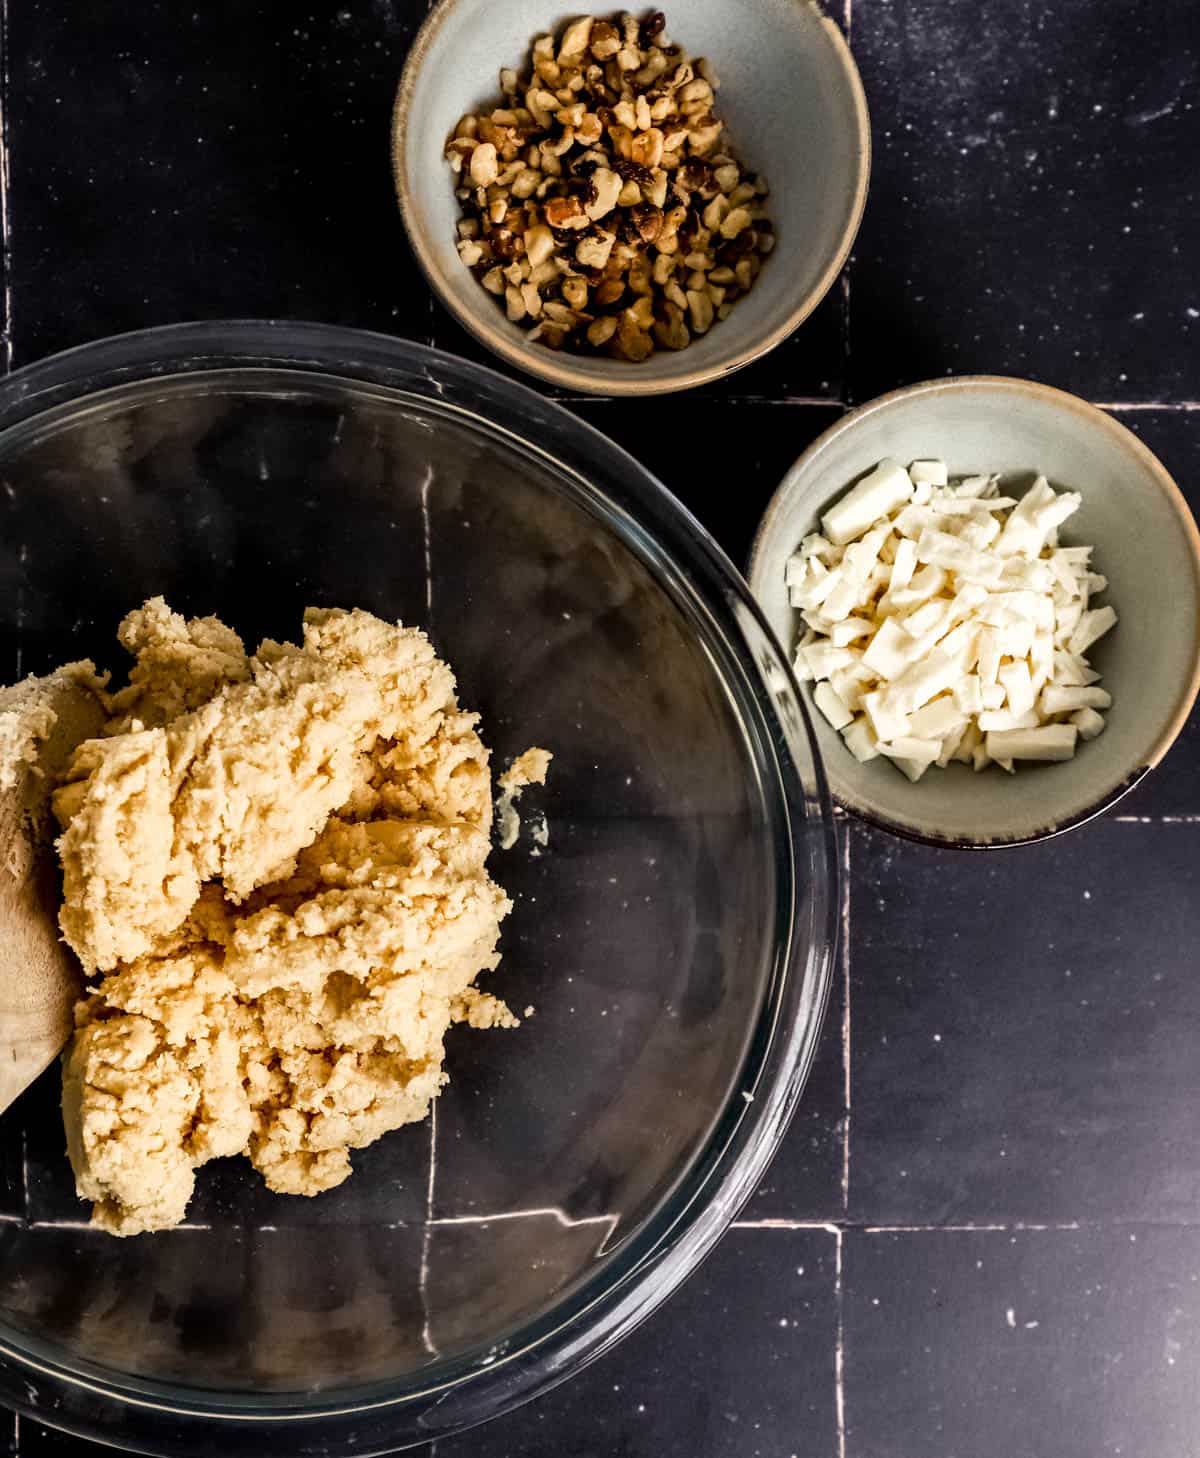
column 1010, row 1316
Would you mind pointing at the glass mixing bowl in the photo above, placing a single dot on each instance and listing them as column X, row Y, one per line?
column 675, row 936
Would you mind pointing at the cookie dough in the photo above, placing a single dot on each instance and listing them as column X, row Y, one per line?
column 278, row 864
column 527, row 769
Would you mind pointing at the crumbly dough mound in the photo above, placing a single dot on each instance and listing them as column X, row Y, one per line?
column 279, row 861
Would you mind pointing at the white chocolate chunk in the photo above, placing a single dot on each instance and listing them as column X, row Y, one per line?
column 886, row 722
column 967, row 695
column 890, row 651
column 939, row 718
column 824, row 659
column 879, row 493
column 860, row 741
column 922, row 681
column 1089, row 723
column 928, row 473
column 1000, row 719
column 940, row 549
column 920, row 751
column 1092, row 626
column 849, row 629
column 1051, row 742
column 904, row 564
column 1065, row 699
column 1018, row 688
column 827, row 700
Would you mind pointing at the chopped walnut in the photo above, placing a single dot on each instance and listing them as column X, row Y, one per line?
column 603, row 206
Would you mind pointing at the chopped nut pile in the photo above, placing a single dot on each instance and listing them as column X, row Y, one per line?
column 601, row 202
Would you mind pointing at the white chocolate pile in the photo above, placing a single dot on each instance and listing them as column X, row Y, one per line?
column 944, row 622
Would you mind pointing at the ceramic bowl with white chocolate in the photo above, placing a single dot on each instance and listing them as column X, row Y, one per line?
column 991, row 593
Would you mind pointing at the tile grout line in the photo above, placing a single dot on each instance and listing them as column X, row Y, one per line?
column 1146, row 404
column 1156, row 819
column 5, row 227
column 427, row 534
column 25, row 1195
column 427, row 1237
column 839, row 1349
column 845, row 971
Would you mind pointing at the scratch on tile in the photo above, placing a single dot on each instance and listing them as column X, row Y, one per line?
column 25, row 1172
column 971, row 1227
column 839, row 1351
column 5, row 222
column 1147, row 404
column 427, row 1237
column 776, row 1223
column 845, row 960
column 87, row 1225
column 845, row 287
column 1156, row 819
column 428, row 536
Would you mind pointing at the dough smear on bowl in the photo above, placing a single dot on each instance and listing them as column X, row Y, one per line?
column 277, row 863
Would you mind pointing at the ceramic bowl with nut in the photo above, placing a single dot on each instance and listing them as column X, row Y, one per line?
column 992, row 589
column 630, row 203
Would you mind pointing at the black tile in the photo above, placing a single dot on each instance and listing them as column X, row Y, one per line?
column 737, row 1364
column 1033, row 207
column 804, row 1180
column 1021, row 1028
column 1071, row 1343
column 227, row 160
column 1173, row 789
column 724, row 462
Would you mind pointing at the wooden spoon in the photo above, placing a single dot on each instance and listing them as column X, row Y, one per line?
column 41, row 722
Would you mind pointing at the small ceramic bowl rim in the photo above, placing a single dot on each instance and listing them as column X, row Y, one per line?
column 556, row 368
column 956, row 384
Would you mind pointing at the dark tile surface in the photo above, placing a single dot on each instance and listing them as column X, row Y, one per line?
column 739, row 1364
column 1031, row 1344
column 1023, row 1029
column 1021, row 1026
column 226, row 160
column 1033, row 205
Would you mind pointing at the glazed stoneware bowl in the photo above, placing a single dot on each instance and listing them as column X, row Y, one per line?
column 791, row 96
column 1145, row 542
